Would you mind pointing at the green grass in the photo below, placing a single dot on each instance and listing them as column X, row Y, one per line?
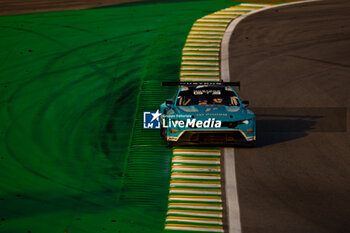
column 73, row 86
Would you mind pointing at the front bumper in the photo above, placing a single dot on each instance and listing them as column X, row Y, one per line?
column 212, row 137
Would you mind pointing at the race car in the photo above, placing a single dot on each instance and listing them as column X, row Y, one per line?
column 207, row 113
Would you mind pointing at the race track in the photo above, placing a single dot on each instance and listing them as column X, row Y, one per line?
column 74, row 156
column 293, row 63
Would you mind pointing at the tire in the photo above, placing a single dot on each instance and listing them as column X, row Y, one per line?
column 251, row 144
column 170, row 144
column 163, row 132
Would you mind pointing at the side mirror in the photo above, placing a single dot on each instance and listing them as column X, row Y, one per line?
column 169, row 102
column 245, row 102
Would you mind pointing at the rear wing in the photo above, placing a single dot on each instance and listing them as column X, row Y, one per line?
column 232, row 84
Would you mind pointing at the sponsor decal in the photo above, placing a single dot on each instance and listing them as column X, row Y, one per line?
column 151, row 120
column 192, row 123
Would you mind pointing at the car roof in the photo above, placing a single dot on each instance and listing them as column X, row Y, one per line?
column 214, row 87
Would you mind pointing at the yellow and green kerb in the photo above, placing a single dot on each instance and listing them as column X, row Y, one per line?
column 201, row 53
column 195, row 202
column 195, row 195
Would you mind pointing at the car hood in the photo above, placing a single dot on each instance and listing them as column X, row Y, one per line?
column 219, row 112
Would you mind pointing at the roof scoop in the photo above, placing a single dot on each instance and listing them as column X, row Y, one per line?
column 232, row 84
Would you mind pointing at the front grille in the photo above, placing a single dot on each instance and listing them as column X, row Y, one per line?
column 215, row 137
column 230, row 124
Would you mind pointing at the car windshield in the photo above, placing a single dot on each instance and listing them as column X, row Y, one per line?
column 207, row 97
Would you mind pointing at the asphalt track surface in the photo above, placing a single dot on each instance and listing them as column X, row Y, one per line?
column 293, row 63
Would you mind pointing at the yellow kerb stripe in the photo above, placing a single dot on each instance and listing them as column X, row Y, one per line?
column 188, row 225
column 199, row 181
column 195, row 150
column 196, row 174
column 197, row 204
column 192, row 218
column 195, row 166
column 194, row 196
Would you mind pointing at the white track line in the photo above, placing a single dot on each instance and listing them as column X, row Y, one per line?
column 255, row 5
column 202, row 44
column 206, row 36
column 175, row 158
column 194, row 199
column 196, row 169
column 206, row 33
column 225, row 74
column 182, row 161
column 203, row 73
column 199, row 79
column 204, row 40
column 208, row 29
column 177, row 184
column 203, row 63
column 184, row 75
column 232, row 205
column 200, row 58
column 201, row 49
column 245, row 8
column 196, row 177
column 237, row 10
column 200, row 53
column 200, row 68
column 214, row 20
column 220, row 17
column 197, row 166
column 233, row 14
column 202, row 174
column 201, row 24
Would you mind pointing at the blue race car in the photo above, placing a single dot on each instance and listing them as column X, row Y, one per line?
column 207, row 113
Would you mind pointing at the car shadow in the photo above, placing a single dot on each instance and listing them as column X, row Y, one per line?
column 277, row 125
column 272, row 131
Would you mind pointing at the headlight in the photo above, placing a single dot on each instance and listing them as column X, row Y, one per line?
column 250, row 130
column 173, row 131
column 245, row 122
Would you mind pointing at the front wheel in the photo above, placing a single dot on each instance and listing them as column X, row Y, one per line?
column 170, row 144
column 163, row 132
column 251, row 144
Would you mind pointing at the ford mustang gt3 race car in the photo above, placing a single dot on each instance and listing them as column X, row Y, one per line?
column 207, row 113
